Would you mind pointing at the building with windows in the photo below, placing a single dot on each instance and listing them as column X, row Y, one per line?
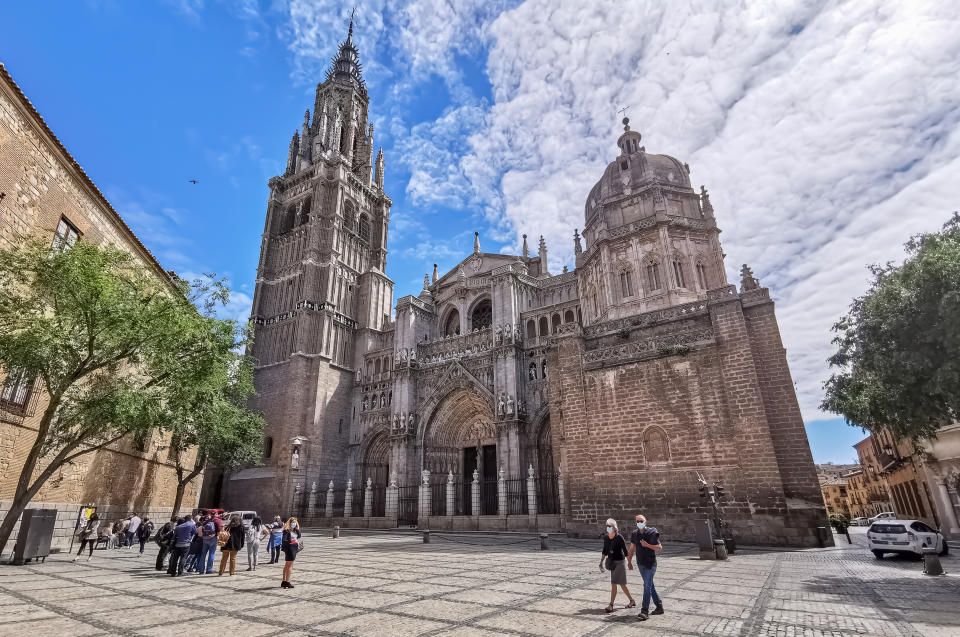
column 44, row 192
column 504, row 395
column 834, row 492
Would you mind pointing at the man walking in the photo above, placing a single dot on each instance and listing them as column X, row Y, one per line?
column 165, row 541
column 645, row 543
column 131, row 530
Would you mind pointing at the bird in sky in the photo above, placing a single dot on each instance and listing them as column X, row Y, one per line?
column 192, row 181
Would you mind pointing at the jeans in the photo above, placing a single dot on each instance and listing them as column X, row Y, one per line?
column 274, row 547
column 252, row 549
column 143, row 543
column 209, row 548
column 649, row 590
column 128, row 538
column 191, row 563
column 177, row 558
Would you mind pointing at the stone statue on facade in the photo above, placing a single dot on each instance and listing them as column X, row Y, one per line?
column 510, row 404
column 295, row 459
column 501, row 405
column 498, row 336
column 366, row 403
column 410, row 423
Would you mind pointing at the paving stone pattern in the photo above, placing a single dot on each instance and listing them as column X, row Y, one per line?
column 484, row 585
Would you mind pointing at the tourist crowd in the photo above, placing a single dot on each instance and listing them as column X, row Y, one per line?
column 189, row 544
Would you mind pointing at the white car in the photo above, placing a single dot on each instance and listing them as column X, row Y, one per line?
column 245, row 516
column 903, row 536
column 859, row 522
column 888, row 515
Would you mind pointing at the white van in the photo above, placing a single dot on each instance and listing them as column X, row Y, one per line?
column 245, row 516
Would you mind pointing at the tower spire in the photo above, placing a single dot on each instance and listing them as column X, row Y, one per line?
column 476, row 242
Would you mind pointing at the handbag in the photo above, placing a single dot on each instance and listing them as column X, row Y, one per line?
column 608, row 564
column 223, row 537
column 299, row 545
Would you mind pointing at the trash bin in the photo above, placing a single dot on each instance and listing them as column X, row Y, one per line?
column 35, row 536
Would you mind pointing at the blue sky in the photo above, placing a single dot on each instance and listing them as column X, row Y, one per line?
column 827, row 133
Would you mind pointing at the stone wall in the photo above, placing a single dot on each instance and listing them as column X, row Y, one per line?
column 637, row 413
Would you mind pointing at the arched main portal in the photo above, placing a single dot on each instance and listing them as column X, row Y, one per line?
column 374, row 465
column 461, row 437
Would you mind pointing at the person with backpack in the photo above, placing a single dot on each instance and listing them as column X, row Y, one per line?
column 255, row 532
column 276, row 539
column 291, row 546
column 163, row 540
column 88, row 536
column 209, row 548
column 182, row 536
column 196, row 548
column 144, row 531
column 234, row 534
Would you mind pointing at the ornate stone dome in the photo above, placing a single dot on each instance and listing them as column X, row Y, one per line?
column 635, row 170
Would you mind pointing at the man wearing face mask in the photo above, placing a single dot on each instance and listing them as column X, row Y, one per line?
column 645, row 543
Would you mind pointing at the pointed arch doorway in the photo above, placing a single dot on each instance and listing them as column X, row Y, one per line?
column 461, row 437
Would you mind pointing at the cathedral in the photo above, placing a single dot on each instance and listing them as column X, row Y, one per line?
column 503, row 395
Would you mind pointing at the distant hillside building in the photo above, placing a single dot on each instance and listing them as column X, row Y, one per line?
column 543, row 400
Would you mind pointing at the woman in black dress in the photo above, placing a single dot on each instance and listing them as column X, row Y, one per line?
column 615, row 552
column 290, row 545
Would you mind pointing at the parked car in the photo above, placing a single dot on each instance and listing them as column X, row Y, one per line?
column 903, row 536
column 887, row 515
column 245, row 516
column 859, row 522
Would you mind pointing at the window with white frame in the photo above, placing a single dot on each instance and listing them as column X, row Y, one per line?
column 66, row 235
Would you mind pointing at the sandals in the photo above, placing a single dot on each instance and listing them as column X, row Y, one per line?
column 632, row 604
column 608, row 609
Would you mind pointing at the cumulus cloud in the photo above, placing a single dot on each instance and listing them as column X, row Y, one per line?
column 827, row 132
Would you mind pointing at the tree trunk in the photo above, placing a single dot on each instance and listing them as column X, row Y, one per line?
column 178, row 500
column 183, row 482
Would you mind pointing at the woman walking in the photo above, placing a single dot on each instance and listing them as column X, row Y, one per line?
column 144, row 531
column 234, row 544
column 88, row 535
column 613, row 559
column 255, row 532
column 290, row 543
column 276, row 539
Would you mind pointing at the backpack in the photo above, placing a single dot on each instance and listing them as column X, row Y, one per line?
column 166, row 531
column 209, row 529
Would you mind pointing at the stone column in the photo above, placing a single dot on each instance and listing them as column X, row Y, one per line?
column 425, row 508
column 501, row 493
column 312, row 502
column 560, row 492
column 329, row 508
column 450, row 497
column 348, row 500
column 392, row 504
column 475, row 493
column 368, row 499
column 531, row 494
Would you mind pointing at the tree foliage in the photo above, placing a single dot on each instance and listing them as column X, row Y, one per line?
column 116, row 349
column 898, row 349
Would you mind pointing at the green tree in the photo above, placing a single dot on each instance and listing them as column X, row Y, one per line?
column 898, row 350
column 108, row 341
column 213, row 420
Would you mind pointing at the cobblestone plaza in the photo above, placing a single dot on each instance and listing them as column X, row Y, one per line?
column 484, row 585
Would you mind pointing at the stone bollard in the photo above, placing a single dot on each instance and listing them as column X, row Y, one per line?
column 328, row 509
column 543, row 542
column 450, row 494
column 475, row 493
column 931, row 561
column 426, row 536
column 348, row 500
column 335, row 532
column 531, row 495
column 720, row 548
column 368, row 499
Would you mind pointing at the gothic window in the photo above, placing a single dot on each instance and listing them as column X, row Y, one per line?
column 556, row 322
column 452, row 325
column 568, row 316
column 482, row 316
column 304, row 207
column 531, row 329
column 653, row 275
column 16, row 390
column 349, row 217
column 364, row 228
column 267, row 447
column 626, row 283
column 376, row 366
column 678, row 273
column 656, row 447
column 544, row 327
column 65, row 236
column 702, row 275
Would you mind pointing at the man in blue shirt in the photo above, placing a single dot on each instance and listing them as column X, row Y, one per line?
column 645, row 543
column 182, row 536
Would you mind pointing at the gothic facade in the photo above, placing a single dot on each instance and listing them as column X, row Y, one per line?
column 604, row 389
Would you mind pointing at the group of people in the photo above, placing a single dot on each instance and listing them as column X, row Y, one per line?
column 121, row 534
column 617, row 558
column 191, row 543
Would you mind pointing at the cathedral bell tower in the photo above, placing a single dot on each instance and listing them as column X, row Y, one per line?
column 321, row 289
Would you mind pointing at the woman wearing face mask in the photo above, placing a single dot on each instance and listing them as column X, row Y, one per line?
column 290, row 544
column 613, row 559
